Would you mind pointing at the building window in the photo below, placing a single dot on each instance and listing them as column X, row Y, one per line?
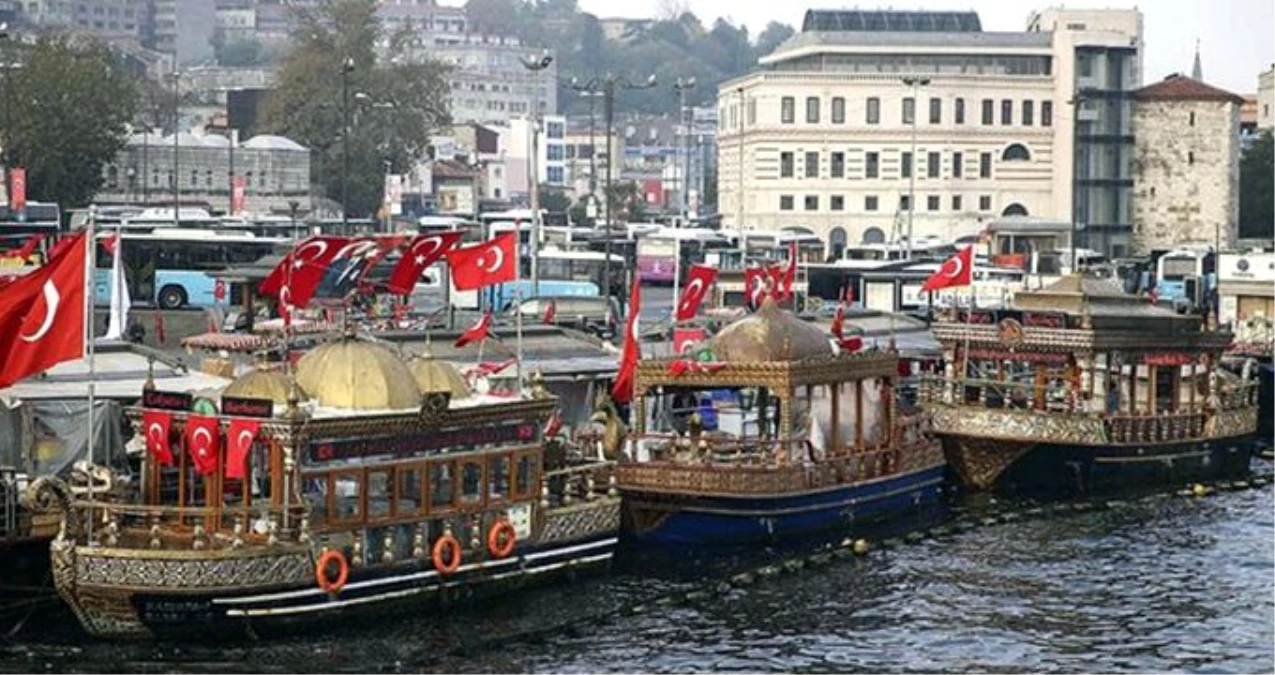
column 554, row 175
column 1084, row 65
column 936, row 110
column 838, row 168
column 194, row 177
column 838, row 110
column 959, row 113
column 787, row 110
column 932, row 165
column 812, row 203
column 987, row 111
column 958, row 160
column 1028, row 112
column 1190, row 157
column 956, row 202
column 985, row 203
column 752, row 111
column 554, row 152
column 837, row 203
column 812, row 109
column 905, row 202
column 1014, row 210
column 785, row 202
column 554, row 129
column 909, row 110
column 932, row 203
column 871, row 165
column 873, row 109
column 1192, row 122
column 905, row 165
column 785, row 165
column 812, row 165
column 870, row 203
column 1046, row 113
column 1016, row 153
column 1007, row 112
column 985, row 165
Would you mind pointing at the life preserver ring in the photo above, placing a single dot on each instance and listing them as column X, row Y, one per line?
column 501, row 530
column 329, row 585
column 447, row 545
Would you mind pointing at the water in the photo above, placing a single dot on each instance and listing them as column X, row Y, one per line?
column 1162, row 584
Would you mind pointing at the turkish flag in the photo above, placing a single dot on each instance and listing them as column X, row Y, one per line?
column 239, row 438
column 622, row 390
column 424, row 251
column 486, row 264
column 756, row 281
column 237, row 196
column 554, row 424
column 203, row 435
column 680, row 367
column 491, row 368
column 24, row 252
column 698, row 279
column 838, row 321
column 851, row 344
column 956, row 271
column 42, row 316
column 477, row 332
column 156, row 426
column 302, row 269
column 18, row 189
column 348, row 266
column 551, row 313
column 789, row 275
column 110, row 241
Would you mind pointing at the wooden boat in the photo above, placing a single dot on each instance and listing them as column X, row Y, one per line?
column 806, row 439
column 1080, row 387
column 372, row 482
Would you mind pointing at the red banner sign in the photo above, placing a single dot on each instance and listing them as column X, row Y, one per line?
column 17, row 189
column 1167, row 359
column 237, row 196
column 1024, row 357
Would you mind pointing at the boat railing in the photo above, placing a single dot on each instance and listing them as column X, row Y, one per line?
column 1154, row 428
column 190, row 527
column 586, row 481
column 989, row 393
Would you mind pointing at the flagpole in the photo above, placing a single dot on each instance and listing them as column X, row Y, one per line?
column 89, row 267
column 518, row 318
column 677, row 275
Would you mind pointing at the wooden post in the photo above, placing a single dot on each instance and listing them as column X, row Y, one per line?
column 1133, row 388
column 181, row 483
column 1151, row 389
column 835, row 446
column 887, row 398
column 858, row 415
column 1191, row 393
column 1038, row 399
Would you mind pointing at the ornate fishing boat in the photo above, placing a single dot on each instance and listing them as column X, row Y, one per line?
column 369, row 481
column 768, row 431
column 1080, row 387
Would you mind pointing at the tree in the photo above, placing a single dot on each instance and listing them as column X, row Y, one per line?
column 1257, row 189
column 554, row 200
column 392, row 108
column 67, row 113
column 496, row 17
column 771, row 37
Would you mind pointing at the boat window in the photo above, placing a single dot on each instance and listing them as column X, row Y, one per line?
column 347, row 489
column 441, row 480
column 378, row 494
column 524, row 479
column 316, row 489
column 499, row 484
column 471, row 483
column 409, row 490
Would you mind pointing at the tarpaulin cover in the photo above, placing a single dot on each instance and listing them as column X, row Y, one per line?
column 45, row 438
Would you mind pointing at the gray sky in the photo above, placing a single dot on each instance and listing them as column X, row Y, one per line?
column 1235, row 35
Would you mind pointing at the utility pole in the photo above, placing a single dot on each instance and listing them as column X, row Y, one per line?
column 177, row 174
column 533, row 175
column 347, row 67
column 915, row 83
column 680, row 86
column 1076, row 102
column 739, row 198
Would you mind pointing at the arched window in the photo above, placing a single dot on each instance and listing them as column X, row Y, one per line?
column 112, row 176
column 1016, row 152
column 1014, row 209
column 837, row 242
column 873, row 235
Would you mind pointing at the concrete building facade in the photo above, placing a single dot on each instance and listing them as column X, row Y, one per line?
column 860, row 113
column 1186, row 165
column 489, row 84
column 1266, row 99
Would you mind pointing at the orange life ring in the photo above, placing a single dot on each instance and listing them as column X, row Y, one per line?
column 327, row 584
column 449, row 543
column 501, row 529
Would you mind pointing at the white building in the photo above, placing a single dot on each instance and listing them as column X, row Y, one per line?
column 841, row 125
column 551, row 167
column 1266, row 99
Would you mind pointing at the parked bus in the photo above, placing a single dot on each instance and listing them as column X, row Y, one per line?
column 170, row 269
column 657, row 252
column 1186, row 277
column 563, row 272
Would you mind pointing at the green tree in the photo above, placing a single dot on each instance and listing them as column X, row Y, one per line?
column 331, row 75
column 554, row 200
column 67, row 111
column 771, row 37
column 1257, row 189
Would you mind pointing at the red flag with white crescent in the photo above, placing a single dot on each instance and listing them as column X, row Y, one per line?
column 698, row 280
column 622, row 390
column 302, row 268
column 551, row 312
column 784, row 290
column 956, row 271
column 755, row 285
column 838, row 322
column 28, row 247
column 424, row 251
column 239, row 438
column 203, row 436
column 477, row 332
column 486, row 264
column 42, row 316
column 487, row 368
column 554, row 424
column 156, row 428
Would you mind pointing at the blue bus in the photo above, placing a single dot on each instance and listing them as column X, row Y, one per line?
column 1186, row 277
column 171, row 268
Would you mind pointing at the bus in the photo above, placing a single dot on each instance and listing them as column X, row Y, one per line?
column 658, row 252
column 1186, row 277
column 563, row 272
column 170, row 269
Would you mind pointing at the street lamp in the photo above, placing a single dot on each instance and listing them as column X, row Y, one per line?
column 915, row 82
column 739, row 198
column 347, row 67
column 175, row 76
column 363, row 97
column 533, row 177
column 606, row 84
column 680, row 86
column 293, row 205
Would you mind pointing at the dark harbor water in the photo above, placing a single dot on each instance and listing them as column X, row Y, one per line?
column 1160, row 584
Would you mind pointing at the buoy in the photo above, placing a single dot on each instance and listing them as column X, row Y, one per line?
column 1199, row 490
column 861, row 546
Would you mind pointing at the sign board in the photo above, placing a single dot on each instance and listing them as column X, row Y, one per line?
column 456, row 199
column 394, row 193
column 247, row 407
column 1251, row 266
column 166, row 400
column 238, row 199
column 18, row 189
column 687, row 338
column 408, row 444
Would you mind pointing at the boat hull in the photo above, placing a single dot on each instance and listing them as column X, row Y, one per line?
column 667, row 518
column 1033, row 468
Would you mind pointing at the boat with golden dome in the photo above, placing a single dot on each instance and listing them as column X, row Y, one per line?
column 369, row 481
column 770, row 430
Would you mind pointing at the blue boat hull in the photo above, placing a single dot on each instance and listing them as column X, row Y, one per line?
column 686, row 519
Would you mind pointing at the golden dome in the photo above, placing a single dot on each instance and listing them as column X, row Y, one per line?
column 770, row 334
column 358, row 375
column 433, row 375
column 263, row 383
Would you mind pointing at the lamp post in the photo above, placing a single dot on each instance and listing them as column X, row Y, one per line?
column 1076, row 102
column 915, row 82
column 680, row 86
column 293, row 205
column 362, row 97
column 347, row 67
column 175, row 76
column 739, row 198
column 533, row 176
column 607, row 84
